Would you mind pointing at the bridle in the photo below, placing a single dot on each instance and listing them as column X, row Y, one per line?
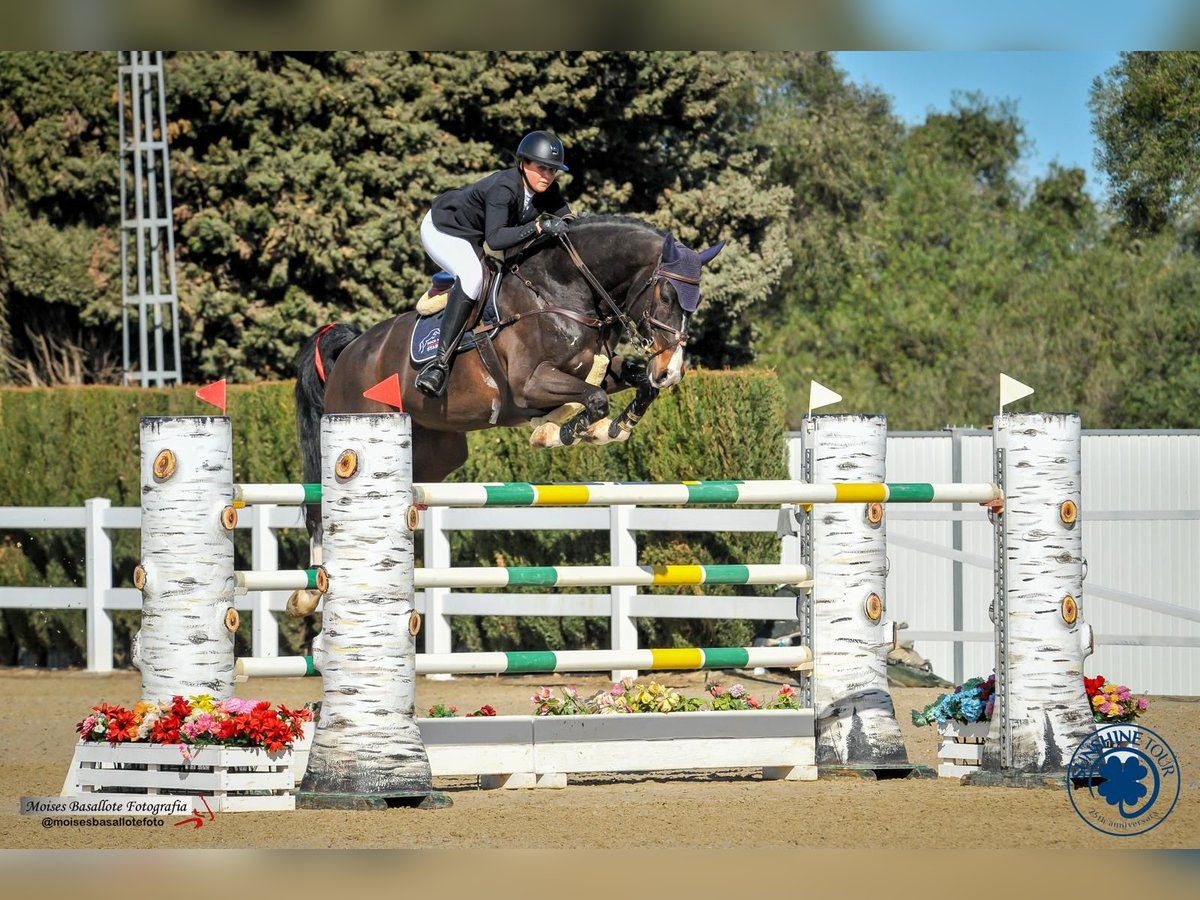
column 632, row 330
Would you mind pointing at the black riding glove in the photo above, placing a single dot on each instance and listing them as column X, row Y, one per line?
column 551, row 225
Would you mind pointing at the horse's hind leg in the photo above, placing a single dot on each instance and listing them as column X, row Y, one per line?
column 303, row 602
column 435, row 455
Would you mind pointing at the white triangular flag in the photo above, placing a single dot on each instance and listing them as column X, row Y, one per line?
column 819, row 395
column 1011, row 389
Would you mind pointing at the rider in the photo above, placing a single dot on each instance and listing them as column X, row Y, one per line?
column 501, row 211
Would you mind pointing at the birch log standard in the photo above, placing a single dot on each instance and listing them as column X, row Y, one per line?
column 367, row 751
column 184, row 646
column 1041, row 639
column 855, row 719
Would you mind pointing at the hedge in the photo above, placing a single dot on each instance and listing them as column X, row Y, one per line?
column 65, row 445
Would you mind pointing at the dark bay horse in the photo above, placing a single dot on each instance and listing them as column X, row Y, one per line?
column 563, row 308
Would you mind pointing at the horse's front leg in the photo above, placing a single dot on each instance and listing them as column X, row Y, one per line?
column 622, row 426
column 548, row 388
column 625, row 373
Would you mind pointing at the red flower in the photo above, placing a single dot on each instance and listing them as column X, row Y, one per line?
column 166, row 730
column 1092, row 686
column 180, row 707
column 120, row 724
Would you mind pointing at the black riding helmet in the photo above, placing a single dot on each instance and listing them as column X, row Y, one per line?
column 543, row 147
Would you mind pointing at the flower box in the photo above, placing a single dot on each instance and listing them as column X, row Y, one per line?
column 540, row 751
column 962, row 747
column 232, row 779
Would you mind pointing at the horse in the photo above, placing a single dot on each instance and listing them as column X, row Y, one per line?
column 550, row 360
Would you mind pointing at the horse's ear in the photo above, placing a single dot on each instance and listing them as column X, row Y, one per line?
column 670, row 252
column 711, row 253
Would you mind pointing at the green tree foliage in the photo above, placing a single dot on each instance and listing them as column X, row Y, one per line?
column 59, row 264
column 1146, row 115
column 903, row 266
column 949, row 272
column 300, row 179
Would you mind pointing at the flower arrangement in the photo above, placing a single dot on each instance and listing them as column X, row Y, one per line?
column 734, row 698
column 1112, row 703
column 972, row 701
column 629, row 696
column 441, row 711
column 195, row 722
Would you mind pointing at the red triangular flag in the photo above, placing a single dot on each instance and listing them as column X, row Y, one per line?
column 387, row 391
column 214, row 394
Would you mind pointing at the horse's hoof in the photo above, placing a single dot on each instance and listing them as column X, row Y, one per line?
column 596, row 434
column 546, row 436
column 302, row 604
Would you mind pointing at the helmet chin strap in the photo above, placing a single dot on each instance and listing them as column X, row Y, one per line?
column 521, row 164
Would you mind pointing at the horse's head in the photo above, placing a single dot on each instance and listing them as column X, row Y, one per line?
column 662, row 310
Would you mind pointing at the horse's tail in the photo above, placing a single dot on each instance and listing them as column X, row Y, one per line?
column 313, row 367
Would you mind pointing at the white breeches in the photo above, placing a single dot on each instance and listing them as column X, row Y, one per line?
column 455, row 255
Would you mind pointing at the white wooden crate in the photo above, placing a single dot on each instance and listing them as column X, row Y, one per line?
column 961, row 748
column 232, row 779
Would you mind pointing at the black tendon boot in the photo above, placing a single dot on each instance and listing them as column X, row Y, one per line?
column 432, row 379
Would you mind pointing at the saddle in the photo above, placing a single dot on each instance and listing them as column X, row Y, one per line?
column 427, row 333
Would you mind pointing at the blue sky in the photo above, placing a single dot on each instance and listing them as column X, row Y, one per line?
column 1050, row 90
column 1033, row 24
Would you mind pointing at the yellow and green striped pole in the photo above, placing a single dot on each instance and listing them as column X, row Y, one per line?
column 525, row 662
column 543, row 576
column 606, row 576
column 612, row 493
column 695, row 493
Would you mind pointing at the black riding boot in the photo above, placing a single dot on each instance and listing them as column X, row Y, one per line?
column 432, row 379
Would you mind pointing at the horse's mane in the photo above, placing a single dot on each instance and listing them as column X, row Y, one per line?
column 602, row 220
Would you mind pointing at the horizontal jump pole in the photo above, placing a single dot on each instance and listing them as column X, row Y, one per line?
column 519, row 493
column 696, row 492
column 523, row 662
column 282, row 580
column 601, row 576
column 279, row 494
column 542, row 576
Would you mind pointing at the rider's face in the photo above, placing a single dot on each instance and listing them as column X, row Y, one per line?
column 539, row 176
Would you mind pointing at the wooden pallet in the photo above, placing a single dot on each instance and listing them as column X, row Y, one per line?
column 232, row 779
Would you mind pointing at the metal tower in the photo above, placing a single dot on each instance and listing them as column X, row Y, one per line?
column 148, row 272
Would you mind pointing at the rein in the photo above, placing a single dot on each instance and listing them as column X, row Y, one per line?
column 631, row 331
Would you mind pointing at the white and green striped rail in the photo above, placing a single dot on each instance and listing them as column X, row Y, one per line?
column 279, row 494
column 599, row 576
column 545, row 576
column 280, row 580
column 524, row 662
column 606, row 493
column 696, row 492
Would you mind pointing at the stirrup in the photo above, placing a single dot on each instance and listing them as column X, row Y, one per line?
column 431, row 380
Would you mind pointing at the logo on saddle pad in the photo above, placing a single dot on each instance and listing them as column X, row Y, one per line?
column 427, row 334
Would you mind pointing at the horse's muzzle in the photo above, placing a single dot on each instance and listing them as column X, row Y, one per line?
column 670, row 373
